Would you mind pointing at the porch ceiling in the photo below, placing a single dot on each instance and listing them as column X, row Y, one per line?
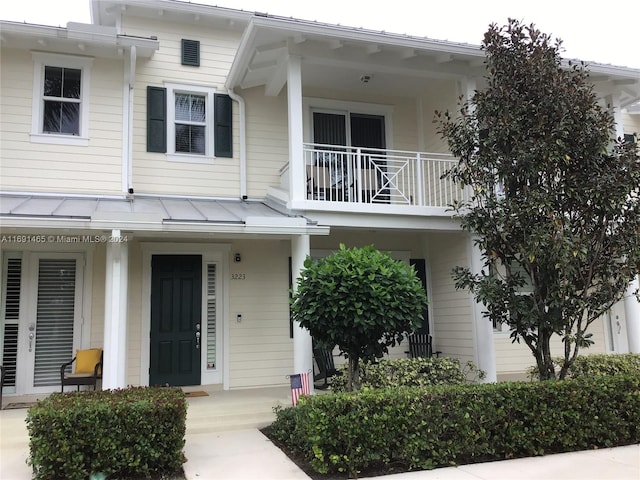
column 147, row 213
column 337, row 57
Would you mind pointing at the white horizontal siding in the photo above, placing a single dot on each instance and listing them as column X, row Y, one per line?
column 631, row 123
column 451, row 308
column 260, row 349
column 267, row 140
column 517, row 358
column 152, row 172
column 28, row 166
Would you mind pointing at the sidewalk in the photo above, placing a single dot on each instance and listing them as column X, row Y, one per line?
column 247, row 454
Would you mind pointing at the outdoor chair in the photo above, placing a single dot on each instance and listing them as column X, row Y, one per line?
column 88, row 369
column 420, row 345
column 326, row 368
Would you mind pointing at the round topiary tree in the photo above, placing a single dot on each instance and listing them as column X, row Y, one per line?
column 361, row 300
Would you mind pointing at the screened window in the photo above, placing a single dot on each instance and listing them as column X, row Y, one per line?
column 184, row 120
column 191, row 123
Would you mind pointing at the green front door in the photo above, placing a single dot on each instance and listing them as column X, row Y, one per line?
column 176, row 308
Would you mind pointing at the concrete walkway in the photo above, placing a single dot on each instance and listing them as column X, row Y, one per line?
column 247, row 454
column 227, row 448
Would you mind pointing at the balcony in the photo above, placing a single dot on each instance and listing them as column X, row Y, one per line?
column 339, row 178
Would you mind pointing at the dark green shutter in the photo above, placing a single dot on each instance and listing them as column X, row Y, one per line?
column 156, row 119
column 629, row 138
column 223, row 120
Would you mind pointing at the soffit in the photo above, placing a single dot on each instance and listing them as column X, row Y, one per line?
column 76, row 39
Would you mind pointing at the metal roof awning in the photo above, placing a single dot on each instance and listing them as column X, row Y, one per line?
column 150, row 213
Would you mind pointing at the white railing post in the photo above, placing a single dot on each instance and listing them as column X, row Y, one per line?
column 358, row 185
column 420, row 180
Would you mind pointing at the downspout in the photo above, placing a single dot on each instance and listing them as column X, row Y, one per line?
column 129, row 137
column 243, row 142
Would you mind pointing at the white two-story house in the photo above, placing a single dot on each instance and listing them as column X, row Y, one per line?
column 166, row 170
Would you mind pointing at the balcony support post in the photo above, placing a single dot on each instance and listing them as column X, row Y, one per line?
column 302, row 342
column 296, row 154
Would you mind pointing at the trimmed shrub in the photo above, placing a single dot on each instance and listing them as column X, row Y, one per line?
column 424, row 428
column 597, row 364
column 132, row 432
column 603, row 364
column 410, row 372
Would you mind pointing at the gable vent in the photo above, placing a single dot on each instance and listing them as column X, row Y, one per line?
column 191, row 52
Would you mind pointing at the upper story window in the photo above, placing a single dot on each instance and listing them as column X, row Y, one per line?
column 189, row 123
column 60, row 99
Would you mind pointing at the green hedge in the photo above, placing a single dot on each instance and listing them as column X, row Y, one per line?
column 410, row 372
column 606, row 364
column 596, row 364
column 424, row 428
column 133, row 432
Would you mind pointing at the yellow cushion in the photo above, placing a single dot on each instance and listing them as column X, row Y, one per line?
column 86, row 360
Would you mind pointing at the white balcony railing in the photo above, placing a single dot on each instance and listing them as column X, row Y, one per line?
column 374, row 176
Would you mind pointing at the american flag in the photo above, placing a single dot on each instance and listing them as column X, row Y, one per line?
column 299, row 386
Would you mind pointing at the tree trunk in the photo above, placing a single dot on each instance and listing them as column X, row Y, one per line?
column 546, row 368
column 353, row 378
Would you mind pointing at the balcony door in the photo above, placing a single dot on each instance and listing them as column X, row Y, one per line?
column 342, row 133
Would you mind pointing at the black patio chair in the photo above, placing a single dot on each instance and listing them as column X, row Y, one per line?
column 420, row 345
column 326, row 368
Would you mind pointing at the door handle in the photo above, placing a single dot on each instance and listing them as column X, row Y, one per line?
column 197, row 335
column 32, row 335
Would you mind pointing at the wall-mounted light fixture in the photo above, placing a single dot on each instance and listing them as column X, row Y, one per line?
column 237, row 257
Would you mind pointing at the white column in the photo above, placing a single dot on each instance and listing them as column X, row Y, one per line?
column 302, row 343
column 115, row 313
column 297, row 184
column 485, row 352
column 632, row 316
column 631, row 304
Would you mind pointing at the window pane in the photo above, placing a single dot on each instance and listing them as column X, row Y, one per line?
column 52, row 81
column 197, row 139
column 61, row 117
column 182, row 106
column 190, row 139
column 70, row 118
column 51, row 122
column 190, row 108
column 197, row 109
column 71, row 83
column 182, row 138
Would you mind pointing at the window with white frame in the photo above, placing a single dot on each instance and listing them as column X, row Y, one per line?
column 60, row 112
column 190, row 122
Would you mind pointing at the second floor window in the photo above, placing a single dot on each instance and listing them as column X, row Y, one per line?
column 61, row 98
column 60, row 107
column 190, row 123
